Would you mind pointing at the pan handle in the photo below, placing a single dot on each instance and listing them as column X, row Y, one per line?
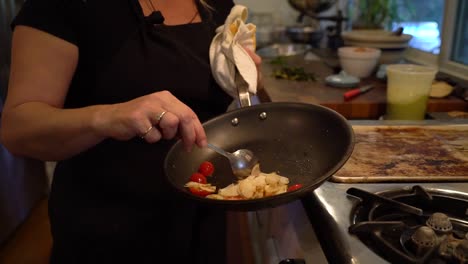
column 242, row 89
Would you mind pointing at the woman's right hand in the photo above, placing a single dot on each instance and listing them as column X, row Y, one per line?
column 139, row 117
column 34, row 123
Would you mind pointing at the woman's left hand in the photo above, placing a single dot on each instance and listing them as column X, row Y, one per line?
column 258, row 63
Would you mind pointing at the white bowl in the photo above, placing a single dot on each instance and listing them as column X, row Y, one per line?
column 392, row 46
column 359, row 61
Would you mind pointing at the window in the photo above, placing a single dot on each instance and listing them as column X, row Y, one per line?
column 460, row 41
column 423, row 20
column 440, row 30
column 453, row 57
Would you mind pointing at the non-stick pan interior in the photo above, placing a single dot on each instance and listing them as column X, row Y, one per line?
column 304, row 142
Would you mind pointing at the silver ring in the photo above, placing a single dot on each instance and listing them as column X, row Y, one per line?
column 160, row 116
column 146, row 132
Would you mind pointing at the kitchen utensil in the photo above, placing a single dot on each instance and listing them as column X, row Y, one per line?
column 355, row 92
column 376, row 38
column 242, row 89
column 283, row 50
column 305, row 142
column 242, row 161
column 307, row 34
column 343, row 79
column 311, row 7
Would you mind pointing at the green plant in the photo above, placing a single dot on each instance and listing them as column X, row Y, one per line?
column 287, row 72
column 376, row 14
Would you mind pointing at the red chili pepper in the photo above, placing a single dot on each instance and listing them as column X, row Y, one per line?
column 294, row 187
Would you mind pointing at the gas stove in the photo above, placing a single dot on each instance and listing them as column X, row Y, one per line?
column 413, row 225
column 356, row 217
column 391, row 223
column 411, row 221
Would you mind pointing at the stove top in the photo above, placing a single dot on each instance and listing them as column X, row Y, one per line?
column 400, row 222
column 389, row 223
column 412, row 225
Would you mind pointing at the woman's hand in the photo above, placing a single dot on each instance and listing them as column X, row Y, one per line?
column 34, row 123
column 139, row 117
column 258, row 63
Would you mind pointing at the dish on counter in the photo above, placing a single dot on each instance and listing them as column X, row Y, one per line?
column 359, row 61
column 343, row 79
column 391, row 45
column 283, row 50
column 378, row 37
column 440, row 89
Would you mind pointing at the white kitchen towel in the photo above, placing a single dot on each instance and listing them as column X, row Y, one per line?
column 227, row 52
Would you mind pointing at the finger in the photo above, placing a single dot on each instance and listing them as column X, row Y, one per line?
column 256, row 59
column 144, row 131
column 150, row 134
column 154, row 135
column 258, row 64
column 187, row 131
column 168, row 125
column 186, row 118
column 200, row 135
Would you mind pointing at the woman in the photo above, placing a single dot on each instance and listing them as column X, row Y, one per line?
column 103, row 87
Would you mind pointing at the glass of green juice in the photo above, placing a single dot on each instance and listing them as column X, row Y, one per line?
column 408, row 88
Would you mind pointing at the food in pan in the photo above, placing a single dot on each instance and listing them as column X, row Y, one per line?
column 200, row 189
column 198, row 177
column 206, row 168
column 257, row 185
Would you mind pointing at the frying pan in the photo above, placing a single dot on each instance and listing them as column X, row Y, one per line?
column 305, row 142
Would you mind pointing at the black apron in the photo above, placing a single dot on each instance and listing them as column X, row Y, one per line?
column 111, row 202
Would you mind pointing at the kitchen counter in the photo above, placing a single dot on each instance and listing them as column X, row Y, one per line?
column 331, row 210
column 370, row 105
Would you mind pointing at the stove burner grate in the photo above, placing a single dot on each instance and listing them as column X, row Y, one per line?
column 412, row 226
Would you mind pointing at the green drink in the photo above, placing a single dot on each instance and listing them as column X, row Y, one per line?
column 408, row 88
column 414, row 110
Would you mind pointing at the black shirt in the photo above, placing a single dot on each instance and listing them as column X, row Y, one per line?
column 115, row 191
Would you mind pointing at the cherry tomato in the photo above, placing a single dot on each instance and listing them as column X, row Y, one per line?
column 199, row 192
column 206, row 168
column 294, row 187
column 198, row 177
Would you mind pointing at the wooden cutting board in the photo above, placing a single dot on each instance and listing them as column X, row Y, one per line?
column 407, row 154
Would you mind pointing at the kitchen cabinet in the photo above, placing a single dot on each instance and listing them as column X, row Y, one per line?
column 370, row 105
column 283, row 232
